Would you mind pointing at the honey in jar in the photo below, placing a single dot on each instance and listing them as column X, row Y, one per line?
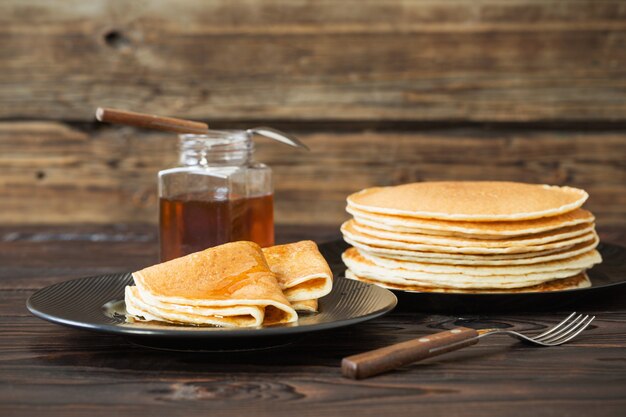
column 218, row 194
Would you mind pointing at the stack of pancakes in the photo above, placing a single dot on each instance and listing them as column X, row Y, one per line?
column 470, row 237
column 237, row 284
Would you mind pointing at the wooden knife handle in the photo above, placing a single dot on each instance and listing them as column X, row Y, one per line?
column 391, row 357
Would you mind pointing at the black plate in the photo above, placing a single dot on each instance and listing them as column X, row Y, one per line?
column 96, row 303
column 605, row 278
column 91, row 303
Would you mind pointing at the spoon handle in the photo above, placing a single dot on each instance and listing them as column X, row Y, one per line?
column 149, row 121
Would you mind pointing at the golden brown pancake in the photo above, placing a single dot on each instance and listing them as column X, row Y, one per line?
column 578, row 281
column 469, row 201
column 351, row 233
column 470, row 237
column 527, row 240
column 586, row 259
column 465, row 259
column 307, row 306
column 229, row 280
column 476, row 230
column 150, row 309
column 503, row 279
column 302, row 271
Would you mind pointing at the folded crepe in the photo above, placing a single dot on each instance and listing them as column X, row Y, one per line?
column 230, row 285
column 305, row 306
column 302, row 272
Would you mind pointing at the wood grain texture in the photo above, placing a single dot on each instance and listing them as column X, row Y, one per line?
column 494, row 60
column 48, row 370
column 58, row 173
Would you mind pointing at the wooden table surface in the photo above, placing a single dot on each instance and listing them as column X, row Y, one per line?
column 51, row 370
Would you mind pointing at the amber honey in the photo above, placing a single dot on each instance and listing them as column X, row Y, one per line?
column 189, row 223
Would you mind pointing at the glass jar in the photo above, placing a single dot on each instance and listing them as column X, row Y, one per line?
column 217, row 194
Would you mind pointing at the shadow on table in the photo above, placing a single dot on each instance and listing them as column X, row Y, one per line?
column 324, row 348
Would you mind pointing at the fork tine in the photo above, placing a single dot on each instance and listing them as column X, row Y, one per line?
column 563, row 331
column 555, row 338
column 580, row 328
column 553, row 328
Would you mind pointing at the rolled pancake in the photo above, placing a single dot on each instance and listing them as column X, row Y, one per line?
column 307, row 306
column 578, row 281
column 367, row 269
column 350, row 232
column 484, row 201
column 583, row 260
column 231, row 280
column 528, row 240
column 302, row 271
column 477, row 230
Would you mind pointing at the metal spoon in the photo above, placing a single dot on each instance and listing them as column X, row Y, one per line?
column 277, row 135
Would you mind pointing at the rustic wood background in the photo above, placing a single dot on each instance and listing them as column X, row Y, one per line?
column 384, row 92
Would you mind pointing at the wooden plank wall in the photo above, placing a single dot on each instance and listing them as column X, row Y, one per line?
column 384, row 92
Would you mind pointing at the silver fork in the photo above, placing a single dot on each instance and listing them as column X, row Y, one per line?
column 554, row 336
column 391, row 357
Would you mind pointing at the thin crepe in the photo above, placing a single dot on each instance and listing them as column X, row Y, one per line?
column 476, row 230
column 301, row 270
column 230, row 281
column 464, row 259
column 369, row 270
column 583, row 260
column 306, row 306
column 577, row 281
column 528, row 240
column 482, row 201
column 351, row 233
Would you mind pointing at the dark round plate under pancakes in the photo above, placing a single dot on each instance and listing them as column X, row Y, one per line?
column 97, row 303
column 604, row 278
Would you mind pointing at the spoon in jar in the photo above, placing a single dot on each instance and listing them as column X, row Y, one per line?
column 172, row 124
column 150, row 121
